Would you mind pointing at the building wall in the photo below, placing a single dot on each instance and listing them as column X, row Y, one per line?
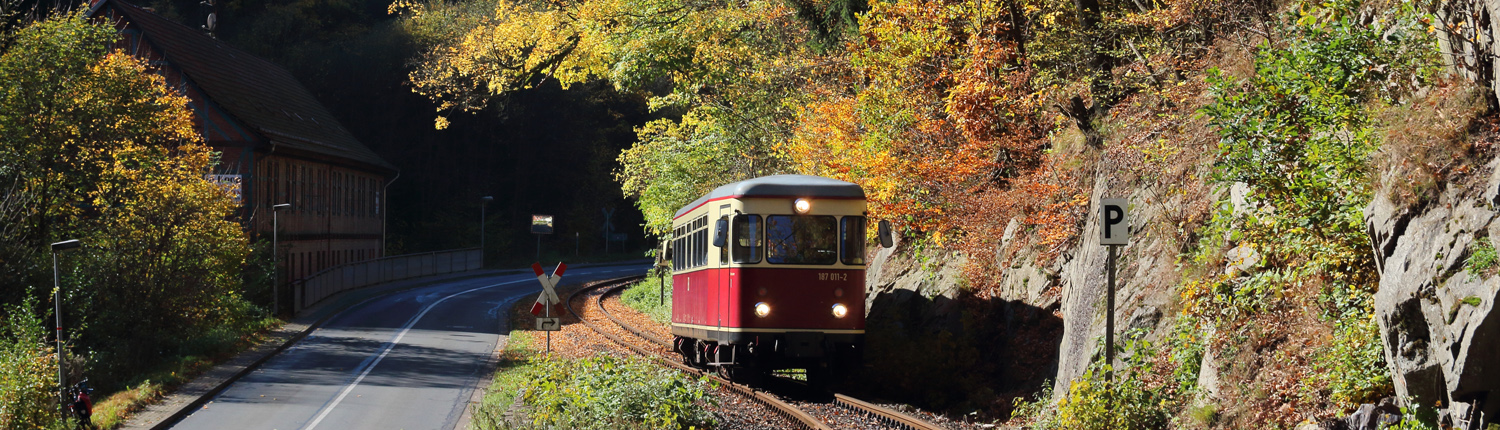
column 335, row 216
column 336, row 213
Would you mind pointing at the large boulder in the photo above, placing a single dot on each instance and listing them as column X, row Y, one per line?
column 1435, row 306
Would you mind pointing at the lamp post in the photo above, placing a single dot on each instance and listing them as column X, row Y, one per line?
column 276, row 257
column 57, row 310
column 484, row 202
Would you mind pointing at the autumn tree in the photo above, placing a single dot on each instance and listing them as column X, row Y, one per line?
column 721, row 74
column 99, row 148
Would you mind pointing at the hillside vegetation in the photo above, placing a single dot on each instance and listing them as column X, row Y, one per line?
column 1250, row 137
column 96, row 147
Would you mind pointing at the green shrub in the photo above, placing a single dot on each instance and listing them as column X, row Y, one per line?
column 28, row 371
column 606, row 393
column 1353, row 365
column 1126, row 403
column 593, row 393
column 1186, row 344
column 1036, row 410
column 646, row 297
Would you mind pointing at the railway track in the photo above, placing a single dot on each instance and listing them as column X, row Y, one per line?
column 884, row 416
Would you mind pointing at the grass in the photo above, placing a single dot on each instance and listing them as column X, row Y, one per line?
column 646, row 297
column 597, row 392
column 1206, row 415
column 1482, row 257
column 515, row 370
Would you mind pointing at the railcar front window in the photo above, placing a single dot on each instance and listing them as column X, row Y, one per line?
column 852, row 237
column 801, row 239
column 747, row 243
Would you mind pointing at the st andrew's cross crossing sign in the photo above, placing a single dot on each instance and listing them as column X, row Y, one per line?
column 548, row 297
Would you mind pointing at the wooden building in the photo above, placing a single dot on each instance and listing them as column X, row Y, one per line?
column 278, row 144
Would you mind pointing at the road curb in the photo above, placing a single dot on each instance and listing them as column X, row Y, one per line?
column 173, row 417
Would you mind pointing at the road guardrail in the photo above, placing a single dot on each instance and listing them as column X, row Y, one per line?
column 359, row 274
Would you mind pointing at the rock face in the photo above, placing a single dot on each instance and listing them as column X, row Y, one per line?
column 1437, row 319
column 1141, row 264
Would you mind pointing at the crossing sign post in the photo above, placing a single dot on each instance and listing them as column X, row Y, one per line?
column 1114, row 232
column 547, row 301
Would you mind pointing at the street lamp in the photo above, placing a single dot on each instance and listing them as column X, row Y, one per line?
column 275, row 257
column 57, row 309
column 485, row 201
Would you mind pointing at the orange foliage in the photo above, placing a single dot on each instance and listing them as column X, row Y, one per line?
column 937, row 112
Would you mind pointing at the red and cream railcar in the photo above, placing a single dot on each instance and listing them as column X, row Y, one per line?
column 769, row 273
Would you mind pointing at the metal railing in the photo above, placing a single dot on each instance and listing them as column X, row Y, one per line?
column 351, row 276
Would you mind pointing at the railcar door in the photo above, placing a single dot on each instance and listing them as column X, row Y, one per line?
column 725, row 287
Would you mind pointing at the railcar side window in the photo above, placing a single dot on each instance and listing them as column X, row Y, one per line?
column 801, row 239
column 852, row 239
column 680, row 250
column 721, row 234
column 700, row 242
column 746, row 243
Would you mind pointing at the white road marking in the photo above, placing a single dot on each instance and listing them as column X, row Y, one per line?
column 387, row 350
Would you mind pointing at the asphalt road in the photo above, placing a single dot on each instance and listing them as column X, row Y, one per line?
column 409, row 360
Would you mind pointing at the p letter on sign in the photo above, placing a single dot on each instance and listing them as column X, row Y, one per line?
column 1114, row 222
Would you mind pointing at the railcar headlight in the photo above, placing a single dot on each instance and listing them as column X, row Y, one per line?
column 803, row 206
column 762, row 309
column 839, row 311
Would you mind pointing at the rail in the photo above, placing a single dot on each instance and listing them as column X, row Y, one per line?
column 351, row 276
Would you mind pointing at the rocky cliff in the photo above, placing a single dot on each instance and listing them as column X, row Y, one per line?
column 1437, row 296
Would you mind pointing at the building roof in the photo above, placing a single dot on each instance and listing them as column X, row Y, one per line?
column 261, row 95
column 780, row 186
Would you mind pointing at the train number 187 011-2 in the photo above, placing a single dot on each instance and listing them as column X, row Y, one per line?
column 833, row 276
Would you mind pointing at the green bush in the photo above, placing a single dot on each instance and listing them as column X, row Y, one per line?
column 1353, row 365
column 1126, row 403
column 28, row 371
column 595, row 393
column 1298, row 132
column 1037, row 410
column 608, row 393
column 646, row 296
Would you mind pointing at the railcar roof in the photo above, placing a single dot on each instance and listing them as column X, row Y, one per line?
column 780, row 186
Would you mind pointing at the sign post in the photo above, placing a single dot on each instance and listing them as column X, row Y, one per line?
column 1114, row 232
column 547, row 300
column 608, row 227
